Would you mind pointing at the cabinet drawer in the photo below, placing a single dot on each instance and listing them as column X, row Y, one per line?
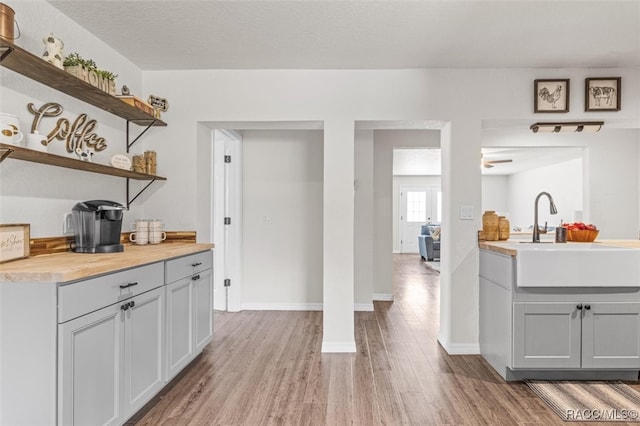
column 188, row 265
column 89, row 295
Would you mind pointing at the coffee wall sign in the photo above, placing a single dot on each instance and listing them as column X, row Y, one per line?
column 79, row 135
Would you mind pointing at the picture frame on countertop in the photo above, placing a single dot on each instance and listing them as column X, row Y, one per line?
column 551, row 95
column 14, row 241
column 602, row 94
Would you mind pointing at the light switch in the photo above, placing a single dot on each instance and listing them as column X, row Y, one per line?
column 466, row 212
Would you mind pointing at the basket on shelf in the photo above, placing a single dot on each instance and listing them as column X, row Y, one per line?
column 582, row 235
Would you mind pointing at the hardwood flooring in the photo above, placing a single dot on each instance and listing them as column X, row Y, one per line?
column 266, row 368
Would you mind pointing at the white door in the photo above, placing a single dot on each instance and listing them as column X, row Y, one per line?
column 419, row 205
column 227, row 220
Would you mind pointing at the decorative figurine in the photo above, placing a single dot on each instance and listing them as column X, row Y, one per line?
column 85, row 155
column 53, row 53
column 125, row 90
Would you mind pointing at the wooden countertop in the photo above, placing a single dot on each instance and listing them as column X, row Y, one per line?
column 69, row 266
column 506, row 247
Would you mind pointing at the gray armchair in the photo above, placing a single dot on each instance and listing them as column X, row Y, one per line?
column 429, row 241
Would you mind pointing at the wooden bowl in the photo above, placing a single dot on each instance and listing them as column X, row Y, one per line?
column 582, row 236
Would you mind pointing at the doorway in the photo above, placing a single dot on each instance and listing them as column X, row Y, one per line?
column 418, row 205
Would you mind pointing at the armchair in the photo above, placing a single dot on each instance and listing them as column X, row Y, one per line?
column 429, row 241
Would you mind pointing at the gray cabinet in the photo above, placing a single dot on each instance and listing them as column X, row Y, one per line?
column 189, row 309
column 576, row 335
column 556, row 332
column 546, row 335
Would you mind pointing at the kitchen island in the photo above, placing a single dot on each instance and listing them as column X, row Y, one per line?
column 540, row 318
column 91, row 338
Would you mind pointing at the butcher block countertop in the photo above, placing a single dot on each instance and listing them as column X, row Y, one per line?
column 69, row 266
column 507, row 247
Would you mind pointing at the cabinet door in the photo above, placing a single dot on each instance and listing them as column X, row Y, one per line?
column 143, row 349
column 90, row 373
column 203, row 302
column 180, row 347
column 611, row 335
column 546, row 335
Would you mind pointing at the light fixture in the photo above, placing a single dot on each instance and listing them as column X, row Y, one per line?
column 576, row 126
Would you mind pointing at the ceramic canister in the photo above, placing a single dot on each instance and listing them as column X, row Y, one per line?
column 10, row 129
column 490, row 225
column 7, row 22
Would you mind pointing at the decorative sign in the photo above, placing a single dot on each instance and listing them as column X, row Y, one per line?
column 14, row 242
column 157, row 102
column 79, row 136
column 121, row 161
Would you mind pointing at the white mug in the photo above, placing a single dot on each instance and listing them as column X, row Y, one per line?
column 10, row 129
column 156, row 224
column 156, row 237
column 140, row 235
column 34, row 141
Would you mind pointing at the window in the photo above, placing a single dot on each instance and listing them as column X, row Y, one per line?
column 416, row 206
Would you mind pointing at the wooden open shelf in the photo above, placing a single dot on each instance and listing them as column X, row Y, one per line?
column 19, row 60
column 19, row 153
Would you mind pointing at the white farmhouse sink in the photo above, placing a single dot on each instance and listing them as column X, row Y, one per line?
column 576, row 265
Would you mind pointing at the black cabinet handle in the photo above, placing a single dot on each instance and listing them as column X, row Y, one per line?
column 196, row 264
column 579, row 307
column 124, row 307
column 132, row 304
column 587, row 307
column 128, row 285
column 195, row 277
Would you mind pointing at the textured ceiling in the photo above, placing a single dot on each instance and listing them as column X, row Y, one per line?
column 341, row 34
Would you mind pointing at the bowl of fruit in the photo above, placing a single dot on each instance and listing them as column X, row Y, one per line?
column 580, row 232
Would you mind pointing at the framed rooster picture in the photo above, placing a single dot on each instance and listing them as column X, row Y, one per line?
column 551, row 95
column 602, row 94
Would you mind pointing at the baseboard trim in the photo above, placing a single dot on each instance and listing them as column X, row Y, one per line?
column 363, row 307
column 282, row 306
column 339, row 347
column 460, row 348
column 358, row 307
column 383, row 297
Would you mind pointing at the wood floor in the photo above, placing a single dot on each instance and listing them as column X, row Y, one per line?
column 265, row 367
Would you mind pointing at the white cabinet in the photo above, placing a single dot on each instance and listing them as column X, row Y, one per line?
column 189, row 309
column 110, row 361
column 556, row 332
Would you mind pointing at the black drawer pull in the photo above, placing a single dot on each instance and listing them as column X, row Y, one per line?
column 132, row 304
column 196, row 264
column 124, row 307
column 195, row 277
column 128, row 285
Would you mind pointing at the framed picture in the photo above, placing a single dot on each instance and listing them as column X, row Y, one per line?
column 14, row 242
column 602, row 94
column 551, row 95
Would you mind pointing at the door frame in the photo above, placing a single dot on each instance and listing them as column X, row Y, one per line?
column 227, row 190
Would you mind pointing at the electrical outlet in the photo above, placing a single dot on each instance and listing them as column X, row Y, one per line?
column 67, row 224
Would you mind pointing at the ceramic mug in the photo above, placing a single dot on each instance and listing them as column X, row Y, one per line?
column 156, row 224
column 10, row 129
column 156, row 237
column 140, row 234
column 34, row 141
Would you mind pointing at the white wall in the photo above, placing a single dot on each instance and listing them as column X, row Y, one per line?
column 495, row 194
column 39, row 194
column 282, row 219
column 563, row 181
column 363, row 223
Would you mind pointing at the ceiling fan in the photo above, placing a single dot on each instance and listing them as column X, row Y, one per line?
column 487, row 164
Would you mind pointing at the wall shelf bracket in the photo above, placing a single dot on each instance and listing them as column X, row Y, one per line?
column 130, row 143
column 4, row 153
column 131, row 200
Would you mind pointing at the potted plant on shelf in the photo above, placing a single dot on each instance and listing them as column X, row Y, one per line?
column 87, row 70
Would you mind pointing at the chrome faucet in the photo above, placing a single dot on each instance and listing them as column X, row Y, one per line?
column 552, row 210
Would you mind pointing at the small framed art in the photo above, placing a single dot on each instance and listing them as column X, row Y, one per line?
column 14, row 242
column 551, row 95
column 602, row 94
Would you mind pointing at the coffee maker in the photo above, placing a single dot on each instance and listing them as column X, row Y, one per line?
column 96, row 226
